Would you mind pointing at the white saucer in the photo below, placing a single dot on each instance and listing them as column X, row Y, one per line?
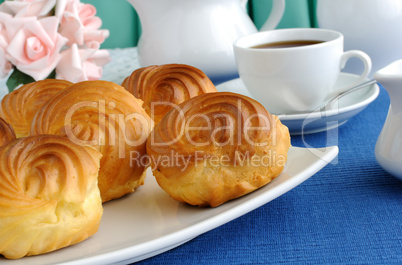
column 306, row 123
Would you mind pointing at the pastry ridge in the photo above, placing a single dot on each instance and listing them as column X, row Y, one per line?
column 7, row 133
column 162, row 87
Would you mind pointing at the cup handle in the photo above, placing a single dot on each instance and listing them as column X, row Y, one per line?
column 278, row 8
column 367, row 68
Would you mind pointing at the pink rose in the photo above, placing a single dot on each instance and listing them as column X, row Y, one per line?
column 35, row 46
column 80, row 25
column 82, row 64
column 27, row 8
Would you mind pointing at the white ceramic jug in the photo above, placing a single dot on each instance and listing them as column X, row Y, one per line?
column 373, row 26
column 196, row 32
column 388, row 150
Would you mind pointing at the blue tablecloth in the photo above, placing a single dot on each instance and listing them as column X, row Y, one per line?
column 348, row 213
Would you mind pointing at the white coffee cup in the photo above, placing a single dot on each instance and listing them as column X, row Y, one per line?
column 297, row 79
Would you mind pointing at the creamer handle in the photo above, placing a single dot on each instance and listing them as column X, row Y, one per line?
column 278, row 8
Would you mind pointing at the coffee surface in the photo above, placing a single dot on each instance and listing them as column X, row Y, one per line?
column 286, row 44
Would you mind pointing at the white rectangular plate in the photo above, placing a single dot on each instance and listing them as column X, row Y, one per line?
column 148, row 222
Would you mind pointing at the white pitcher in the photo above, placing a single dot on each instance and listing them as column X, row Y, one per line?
column 373, row 26
column 388, row 150
column 196, row 32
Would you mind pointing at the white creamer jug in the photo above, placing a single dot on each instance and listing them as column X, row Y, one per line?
column 388, row 150
column 196, row 32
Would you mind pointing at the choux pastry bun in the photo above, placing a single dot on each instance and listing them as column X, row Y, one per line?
column 19, row 107
column 49, row 197
column 216, row 147
column 104, row 115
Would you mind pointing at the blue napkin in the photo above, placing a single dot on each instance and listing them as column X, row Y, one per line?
column 348, row 213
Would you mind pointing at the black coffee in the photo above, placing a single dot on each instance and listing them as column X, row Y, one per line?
column 286, row 44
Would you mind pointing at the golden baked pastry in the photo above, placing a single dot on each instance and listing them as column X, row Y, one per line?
column 217, row 147
column 7, row 133
column 49, row 198
column 19, row 107
column 104, row 115
column 162, row 87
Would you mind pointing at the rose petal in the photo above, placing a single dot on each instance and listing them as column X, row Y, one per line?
column 16, row 48
column 92, row 23
column 27, row 8
column 60, row 8
column 70, row 65
column 72, row 30
column 101, row 57
column 34, row 48
column 5, row 65
column 86, row 11
column 92, row 71
column 15, row 24
column 13, row 7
